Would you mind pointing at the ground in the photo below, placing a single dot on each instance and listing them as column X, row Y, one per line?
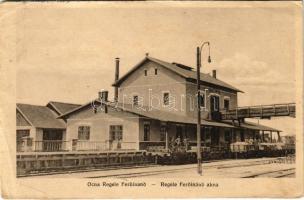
column 243, row 168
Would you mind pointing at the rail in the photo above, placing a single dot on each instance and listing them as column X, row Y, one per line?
column 262, row 111
column 28, row 145
column 83, row 145
column 50, row 145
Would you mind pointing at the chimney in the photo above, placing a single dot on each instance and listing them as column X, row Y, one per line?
column 214, row 73
column 103, row 96
column 116, row 78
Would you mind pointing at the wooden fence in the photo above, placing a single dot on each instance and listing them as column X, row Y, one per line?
column 31, row 163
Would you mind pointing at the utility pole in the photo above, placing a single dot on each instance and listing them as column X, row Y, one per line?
column 198, row 80
column 198, row 135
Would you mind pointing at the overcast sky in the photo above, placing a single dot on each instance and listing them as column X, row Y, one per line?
column 67, row 54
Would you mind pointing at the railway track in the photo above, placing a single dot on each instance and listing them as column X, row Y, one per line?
column 215, row 166
column 274, row 174
column 151, row 172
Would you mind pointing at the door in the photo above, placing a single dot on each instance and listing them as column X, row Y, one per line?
column 214, row 103
column 147, row 132
column 51, row 140
column 215, row 136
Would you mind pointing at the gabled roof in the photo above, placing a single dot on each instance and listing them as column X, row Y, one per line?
column 79, row 108
column 40, row 116
column 182, row 70
column 61, row 107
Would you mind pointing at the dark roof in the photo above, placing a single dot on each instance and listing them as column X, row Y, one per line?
column 182, row 70
column 62, row 108
column 64, row 115
column 254, row 126
column 41, row 116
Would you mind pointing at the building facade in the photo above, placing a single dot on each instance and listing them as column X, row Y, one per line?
column 155, row 107
column 39, row 129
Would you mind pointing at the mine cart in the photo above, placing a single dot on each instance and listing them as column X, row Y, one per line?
column 242, row 149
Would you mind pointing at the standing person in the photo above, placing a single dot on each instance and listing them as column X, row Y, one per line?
column 186, row 144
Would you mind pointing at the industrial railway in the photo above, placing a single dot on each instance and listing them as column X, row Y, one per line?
column 281, row 173
column 281, row 167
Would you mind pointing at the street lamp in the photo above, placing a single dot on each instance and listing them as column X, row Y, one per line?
column 199, row 64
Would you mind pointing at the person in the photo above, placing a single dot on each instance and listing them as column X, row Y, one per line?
column 172, row 146
column 178, row 141
column 186, row 144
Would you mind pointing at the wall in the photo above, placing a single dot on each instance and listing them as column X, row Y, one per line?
column 150, row 88
column 100, row 124
column 191, row 100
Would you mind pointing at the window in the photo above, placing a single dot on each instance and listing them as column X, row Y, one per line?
column 146, row 72
column 166, row 98
column 147, row 132
column 22, row 133
column 162, row 133
column 226, row 104
column 83, row 133
column 135, row 100
column 155, row 71
column 115, row 132
column 202, row 100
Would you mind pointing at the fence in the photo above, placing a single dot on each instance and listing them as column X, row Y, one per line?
column 27, row 145
column 51, row 145
column 90, row 145
column 30, row 163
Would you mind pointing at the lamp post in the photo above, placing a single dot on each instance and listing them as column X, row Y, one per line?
column 199, row 63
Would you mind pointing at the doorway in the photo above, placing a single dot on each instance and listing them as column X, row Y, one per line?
column 179, row 132
column 214, row 103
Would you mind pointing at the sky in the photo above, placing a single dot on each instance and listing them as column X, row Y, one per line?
column 67, row 53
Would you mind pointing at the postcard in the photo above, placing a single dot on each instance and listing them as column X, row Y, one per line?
column 151, row 99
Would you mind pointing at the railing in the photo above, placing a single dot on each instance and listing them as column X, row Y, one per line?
column 83, row 145
column 51, row 145
column 28, row 145
column 263, row 111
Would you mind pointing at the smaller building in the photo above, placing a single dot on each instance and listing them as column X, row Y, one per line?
column 39, row 129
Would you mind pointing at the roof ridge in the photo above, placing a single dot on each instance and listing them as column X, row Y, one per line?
column 63, row 103
column 29, row 104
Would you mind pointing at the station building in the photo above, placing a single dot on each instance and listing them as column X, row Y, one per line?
column 155, row 103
